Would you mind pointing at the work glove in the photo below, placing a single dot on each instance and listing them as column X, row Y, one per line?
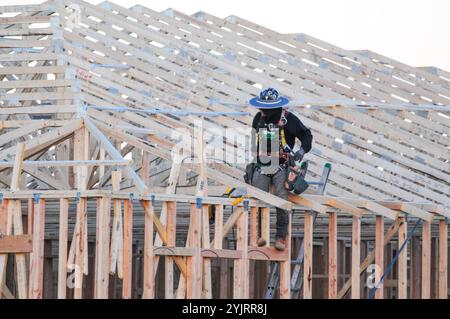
column 298, row 156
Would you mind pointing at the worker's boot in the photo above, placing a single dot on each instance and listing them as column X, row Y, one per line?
column 261, row 242
column 280, row 244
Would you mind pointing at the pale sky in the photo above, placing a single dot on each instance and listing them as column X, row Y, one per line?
column 416, row 32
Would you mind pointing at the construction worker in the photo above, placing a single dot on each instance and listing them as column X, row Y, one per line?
column 273, row 139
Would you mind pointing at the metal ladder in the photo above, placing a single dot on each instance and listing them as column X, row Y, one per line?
column 296, row 277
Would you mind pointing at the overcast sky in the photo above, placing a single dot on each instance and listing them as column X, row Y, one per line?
column 416, row 32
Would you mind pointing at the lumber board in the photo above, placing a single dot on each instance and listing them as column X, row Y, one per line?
column 16, row 244
column 402, row 260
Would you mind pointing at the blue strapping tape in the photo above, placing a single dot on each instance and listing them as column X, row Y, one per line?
column 323, row 64
column 231, row 19
column 169, row 50
column 230, row 56
column 199, row 16
column 14, row 100
column 181, row 96
column 137, row 8
column 263, row 58
column 220, row 70
column 356, row 68
column 146, row 93
column 246, row 204
column 28, row 50
column 347, row 138
column 337, row 146
column 105, row 5
column 77, row 44
column 131, row 197
column 292, row 61
column 423, row 114
column 339, row 124
column 168, row 13
column 111, row 66
column 392, row 112
column 419, row 159
column 363, row 110
column 300, row 37
column 1, row 197
column 183, row 53
column 199, row 202
column 113, row 90
column 36, row 197
column 146, row 50
column 77, row 199
column 153, row 199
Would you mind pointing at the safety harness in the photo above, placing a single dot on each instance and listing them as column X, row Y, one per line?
column 269, row 132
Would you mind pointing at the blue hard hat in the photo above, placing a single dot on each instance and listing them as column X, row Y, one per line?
column 269, row 99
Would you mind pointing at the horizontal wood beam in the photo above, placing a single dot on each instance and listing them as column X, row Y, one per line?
column 16, row 244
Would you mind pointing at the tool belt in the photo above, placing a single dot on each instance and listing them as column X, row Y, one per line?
column 249, row 171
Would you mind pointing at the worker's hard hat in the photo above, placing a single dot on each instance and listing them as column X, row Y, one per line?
column 269, row 99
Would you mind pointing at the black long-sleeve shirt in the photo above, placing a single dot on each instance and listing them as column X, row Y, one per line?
column 294, row 128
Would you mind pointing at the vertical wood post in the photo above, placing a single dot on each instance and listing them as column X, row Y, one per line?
column 171, row 242
column 356, row 258
column 415, row 267
column 426, row 259
column 265, row 225
column 332, row 255
column 62, row 249
column 37, row 256
column 379, row 255
column 80, row 247
column 307, row 262
column 102, row 248
column 149, row 277
column 116, row 253
column 241, row 266
column 402, row 260
column 5, row 229
column 30, row 216
column 443, row 259
column 285, row 265
column 194, row 264
column 127, row 249
column 253, row 228
column 207, row 285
